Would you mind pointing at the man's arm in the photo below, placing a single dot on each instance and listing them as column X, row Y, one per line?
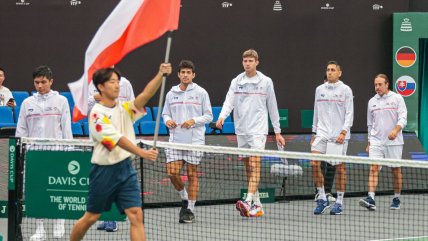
column 152, row 86
column 207, row 114
column 402, row 118
column 66, row 121
column 227, row 105
column 274, row 114
column 127, row 145
column 21, row 126
column 166, row 113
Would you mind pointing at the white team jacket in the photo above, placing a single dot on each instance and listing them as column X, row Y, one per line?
column 126, row 92
column 180, row 106
column 45, row 116
column 250, row 102
column 383, row 114
column 333, row 110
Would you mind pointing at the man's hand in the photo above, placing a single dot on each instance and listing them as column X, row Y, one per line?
column 341, row 138
column 11, row 104
column 368, row 147
column 188, row 124
column 279, row 139
column 171, row 124
column 392, row 135
column 151, row 155
column 219, row 123
column 165, row 69
column 312, row 139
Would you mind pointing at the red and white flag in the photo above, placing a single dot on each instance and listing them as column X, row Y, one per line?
column 132, row 24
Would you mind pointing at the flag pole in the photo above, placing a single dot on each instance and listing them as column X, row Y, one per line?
column 162, row 91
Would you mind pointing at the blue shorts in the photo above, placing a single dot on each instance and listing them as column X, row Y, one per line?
column 113, row 183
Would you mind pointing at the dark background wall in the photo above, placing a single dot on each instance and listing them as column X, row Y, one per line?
column 294, row 44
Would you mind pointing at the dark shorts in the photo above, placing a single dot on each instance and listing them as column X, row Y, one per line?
column 113, row 183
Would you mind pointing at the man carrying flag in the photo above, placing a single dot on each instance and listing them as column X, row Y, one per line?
column 112, row 177
column 132, row 24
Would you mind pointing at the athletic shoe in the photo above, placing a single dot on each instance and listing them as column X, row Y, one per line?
column 39, row 235
column 256, row 211
column 243, row 207
column 111, row 226
column 186, row 216
column 395, row 204
column 368, row 203
column 322, row 205
column 329, row 196
column 101, row 226
column 59, row 230
column 337, row 209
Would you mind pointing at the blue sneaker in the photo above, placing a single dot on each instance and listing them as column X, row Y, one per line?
column 101, row 226
column 111, row 226
column 395, row 204
column 368, row 203
column 321, row 206
column 337, row 209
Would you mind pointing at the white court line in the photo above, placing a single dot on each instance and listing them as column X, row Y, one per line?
column 408, row 238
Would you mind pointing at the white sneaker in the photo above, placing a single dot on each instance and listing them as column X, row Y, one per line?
column 329, row 196
column 59, row 229
column 40, row 235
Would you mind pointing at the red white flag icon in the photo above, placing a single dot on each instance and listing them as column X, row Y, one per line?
column 132, row 24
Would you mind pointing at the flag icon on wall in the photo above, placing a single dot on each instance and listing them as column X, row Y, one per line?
column 405, row 57
column 405, row 86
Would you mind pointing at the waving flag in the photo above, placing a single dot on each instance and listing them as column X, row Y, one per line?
column 132, row 24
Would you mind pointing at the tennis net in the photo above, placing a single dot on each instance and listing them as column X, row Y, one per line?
column 286, row 191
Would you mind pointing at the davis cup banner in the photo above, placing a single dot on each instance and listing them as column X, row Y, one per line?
column 56, row 184
column 408, row 29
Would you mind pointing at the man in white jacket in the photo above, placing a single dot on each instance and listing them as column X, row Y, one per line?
column 386, row 117
column 333, row 118
column 187, row 109
column 46, row 114
column 251, row 96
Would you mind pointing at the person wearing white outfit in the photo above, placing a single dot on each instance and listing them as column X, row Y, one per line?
column 251, row 96
column 333, row 119
column 46, row 114
column 126, row 93
column 6, row 97
column 386, row 117
column 187, row 109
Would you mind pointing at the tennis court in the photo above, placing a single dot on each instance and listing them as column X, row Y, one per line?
column 289, row 217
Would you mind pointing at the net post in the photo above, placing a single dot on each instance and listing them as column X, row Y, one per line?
column 142, row 181
column 15, row 190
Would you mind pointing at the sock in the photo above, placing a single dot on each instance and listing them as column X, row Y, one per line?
column 321, row 193
column 183, row 194
column 257, row 199
column 371, row 194
column 191, row 205
column 340, row 197
column 249, row 197
column 396, row 195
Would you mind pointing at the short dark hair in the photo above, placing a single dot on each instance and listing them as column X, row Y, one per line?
column 43, row 71
column 383, row 76
column 1, row 69
column 103, row 75
column 186, row 64
column 335, row 63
